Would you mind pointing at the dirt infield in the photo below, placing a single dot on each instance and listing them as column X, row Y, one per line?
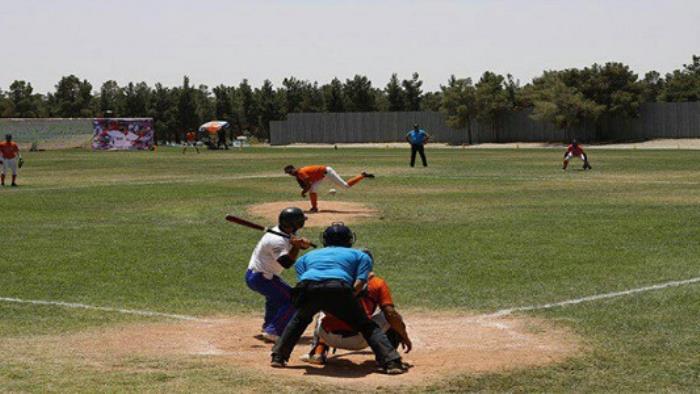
column 444, row 344
column 329, row 212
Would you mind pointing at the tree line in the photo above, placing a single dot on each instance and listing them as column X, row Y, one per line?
column 567, row 98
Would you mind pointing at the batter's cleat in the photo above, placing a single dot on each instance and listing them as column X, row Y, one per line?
column 367, row 175
column 269, row 337
column 277, row 362
column 14, row 185
column 395, row 367
column 313, row 210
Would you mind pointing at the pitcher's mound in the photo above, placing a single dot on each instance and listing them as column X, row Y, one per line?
column 329, row 212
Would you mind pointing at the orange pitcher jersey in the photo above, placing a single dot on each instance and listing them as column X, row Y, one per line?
column 378, row 295
column 311, row 174
column 9, row 149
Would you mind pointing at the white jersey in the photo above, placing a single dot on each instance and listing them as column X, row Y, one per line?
column 270, row 248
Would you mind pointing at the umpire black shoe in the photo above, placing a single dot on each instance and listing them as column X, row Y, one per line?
column 277, row 362
column 367, row 175
column 395, row 367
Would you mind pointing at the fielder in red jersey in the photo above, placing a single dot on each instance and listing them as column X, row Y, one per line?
column 574, row 149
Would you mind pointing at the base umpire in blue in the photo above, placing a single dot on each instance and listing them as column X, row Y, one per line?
column 417, row 138
column 329, row 280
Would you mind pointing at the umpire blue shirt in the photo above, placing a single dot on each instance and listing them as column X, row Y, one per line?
column 417, row 137
column 334, row 262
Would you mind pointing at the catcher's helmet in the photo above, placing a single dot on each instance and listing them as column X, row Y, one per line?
column 8, row 137
column 292, row 217
column 338, row 234
column 288, row 169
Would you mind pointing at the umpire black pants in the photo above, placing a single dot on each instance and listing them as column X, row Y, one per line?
column 418, row 148
column 335, row 297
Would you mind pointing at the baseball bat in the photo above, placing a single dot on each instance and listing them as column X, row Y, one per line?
column 247, row 223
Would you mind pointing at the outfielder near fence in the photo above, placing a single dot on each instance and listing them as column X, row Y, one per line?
column 655, row 120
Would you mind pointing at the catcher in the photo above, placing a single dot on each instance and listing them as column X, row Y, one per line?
column 574, row 149
column 376, row 300
column 310, row 178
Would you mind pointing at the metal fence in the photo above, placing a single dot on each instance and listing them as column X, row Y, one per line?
column 655, row 120
column 42, row 130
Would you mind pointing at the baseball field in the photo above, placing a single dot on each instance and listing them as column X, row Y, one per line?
column 119, row 272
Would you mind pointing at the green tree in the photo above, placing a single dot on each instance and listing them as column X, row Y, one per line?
column 651, row 86
column 412, row 92
column 136, row 99
column 395, row 94
column 186, row 109
column 360, row 94
column 270, row 107
column 72, row 98
column 163, row 110
column 459, row 104
column 205, row 104
column 226, row 105
column 22, row 100
column 560, row 104
column 312, row 98
column 294, row 94
column 431, row 101
column 491, row 99
column 333, row 96
column 683, row 85
column 248, row 108
column 111, row 99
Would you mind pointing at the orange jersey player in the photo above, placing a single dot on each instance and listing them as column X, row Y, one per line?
column 190, row 141
column 310, row 178
column 574, row 149
column 9, row 158
column 378, row 304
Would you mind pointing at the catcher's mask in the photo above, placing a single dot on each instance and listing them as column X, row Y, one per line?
column 289, row 169
column 292, row 217
column 8, row 137
column 338, row 234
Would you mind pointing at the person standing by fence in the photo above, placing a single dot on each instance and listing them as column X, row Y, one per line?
column 9, row 153
column 417, row 138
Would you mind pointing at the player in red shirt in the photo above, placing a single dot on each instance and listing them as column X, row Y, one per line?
column 379, row 306
column 310, row 178
column 9, row 157
column 574, row 149
column 190, row 141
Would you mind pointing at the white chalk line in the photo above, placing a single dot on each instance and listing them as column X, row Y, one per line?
column 103, row 308
column 498, row 313
column 508, row 311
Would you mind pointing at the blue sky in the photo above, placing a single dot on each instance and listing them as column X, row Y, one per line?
column 217, row 41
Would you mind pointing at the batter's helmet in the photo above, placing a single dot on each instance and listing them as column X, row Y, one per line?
column 338, row 234
column 292, row 217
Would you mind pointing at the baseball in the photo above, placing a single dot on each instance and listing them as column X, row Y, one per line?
column 332, row 191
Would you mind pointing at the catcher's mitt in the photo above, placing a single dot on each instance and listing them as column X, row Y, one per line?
column 20, row 162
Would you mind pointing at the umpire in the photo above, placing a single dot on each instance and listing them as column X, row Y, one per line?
column 329, row 280
column 417, row 138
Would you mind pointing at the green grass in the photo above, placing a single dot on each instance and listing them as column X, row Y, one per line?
column 477, row 230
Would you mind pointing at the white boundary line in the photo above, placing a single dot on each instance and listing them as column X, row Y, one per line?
column 103, row 308
column 500, row 312
column 503, row 312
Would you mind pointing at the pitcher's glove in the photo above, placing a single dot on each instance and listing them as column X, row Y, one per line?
column 20, row 162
